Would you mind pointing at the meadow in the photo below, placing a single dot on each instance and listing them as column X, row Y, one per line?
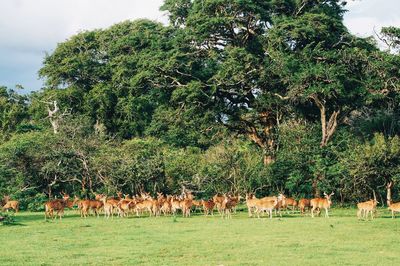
column 199, row 240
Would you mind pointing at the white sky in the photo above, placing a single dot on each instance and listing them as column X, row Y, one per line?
column 29, row 28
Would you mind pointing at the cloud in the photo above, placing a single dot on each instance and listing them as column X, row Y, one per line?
column 31, row 28
column 365, row 16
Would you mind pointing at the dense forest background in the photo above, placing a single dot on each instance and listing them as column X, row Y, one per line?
column 231, row 96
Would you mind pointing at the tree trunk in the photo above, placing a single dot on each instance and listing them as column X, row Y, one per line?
column 316, row 190
column 265, row 139
column 328, row 128
column 389, row 193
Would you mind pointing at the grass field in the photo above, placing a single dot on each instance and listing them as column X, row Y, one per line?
column 199, row 240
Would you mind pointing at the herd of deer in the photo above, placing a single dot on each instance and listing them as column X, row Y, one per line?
column 225, row 204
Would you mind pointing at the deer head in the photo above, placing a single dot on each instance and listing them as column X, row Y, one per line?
column 328, row 197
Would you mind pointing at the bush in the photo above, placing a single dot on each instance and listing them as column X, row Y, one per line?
column 6, row 219
column 36, row 203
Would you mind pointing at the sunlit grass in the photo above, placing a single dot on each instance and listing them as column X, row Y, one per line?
column 199, row 240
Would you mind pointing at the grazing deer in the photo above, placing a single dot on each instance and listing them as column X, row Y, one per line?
column 290, row 202
column 197, row 204
column 267, row 204
column 107, row 206
column 10, row 204
column 57, row 205
column 208, row 207
column 364, row 208
column 319, row 203
column 303, row 204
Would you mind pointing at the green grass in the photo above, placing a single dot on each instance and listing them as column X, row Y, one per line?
column 294, row 240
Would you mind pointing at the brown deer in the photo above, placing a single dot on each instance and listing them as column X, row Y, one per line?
column 218, row 200
column 319, row 203
column 290, row 202
column 186, row 204
column 366, row 207
column 251, row 201
column 208, row 207
column 267, row 204
column 226, row 207
column 57, row 205
column 107, row 206
column 144, row 205
column 166, row 205
column 10, row 204
column 394, row 207
column 124, row 207
column 175, row 204
column 303, row 204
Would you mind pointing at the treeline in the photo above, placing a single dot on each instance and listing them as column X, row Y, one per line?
column 260, row 96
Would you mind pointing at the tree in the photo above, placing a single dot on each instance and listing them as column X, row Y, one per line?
column 13, row 112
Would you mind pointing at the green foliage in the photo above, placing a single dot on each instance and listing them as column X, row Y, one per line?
column 35, row 203
column 6, row 219
column 233, row 96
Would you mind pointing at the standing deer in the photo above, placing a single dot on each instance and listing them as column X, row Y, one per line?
column 394, row 207
column 251, row 201
column 319, row 203
column 366, row 207
column 57, row 205
column 267, row 205
column 107, row 206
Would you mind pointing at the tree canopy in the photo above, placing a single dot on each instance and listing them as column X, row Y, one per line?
column 238, row 95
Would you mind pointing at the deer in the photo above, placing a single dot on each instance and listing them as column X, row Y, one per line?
column 251, row 201
column 366, row 207
column 186, row 204
column 394, row 207
column 197, row 204
column 175, row 204
column 208, row 207
column 124, row 207
column 107, row 206
column 267, row 205
column 144, row 204
column 10, row 204
column 166, row 205
column 57, row 205
column 290, row 202
column 235, row 201
column 319, row 203
column 218, row 200
column 226, row 207
column 303, row 204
